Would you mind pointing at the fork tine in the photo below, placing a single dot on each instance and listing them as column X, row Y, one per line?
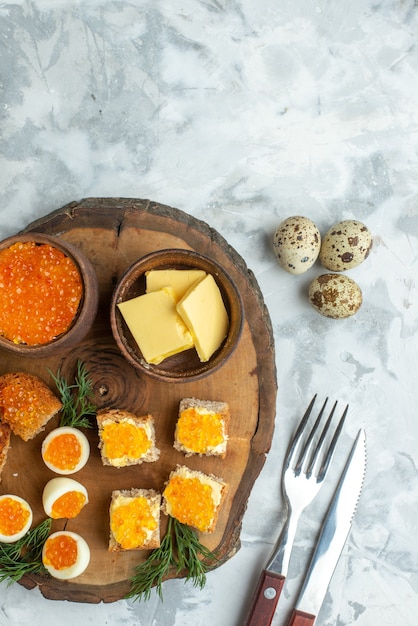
column 308, row 443
column 294, row 443
column 320, row 443
column 330, row 453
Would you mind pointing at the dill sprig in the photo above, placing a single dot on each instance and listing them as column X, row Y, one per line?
column 25, row 555
column 193, row 557
column 77, row 405
column 180, row 550
column 152, row 572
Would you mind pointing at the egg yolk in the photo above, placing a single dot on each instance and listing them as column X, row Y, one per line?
column 60, row 552
column 68, row 505
column 122, row 439
column 40, row 292
column 130, row 522
column 191, row 501
column 199, row 431
column 63, row 451
column 13, row 516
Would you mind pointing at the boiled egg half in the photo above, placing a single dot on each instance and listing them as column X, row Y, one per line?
column 65, row 555
column 15, row 518
column 65, row 450
column 64, row 498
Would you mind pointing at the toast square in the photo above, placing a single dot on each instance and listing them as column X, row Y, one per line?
column 26, row 403
column 202, row 428
column 194, row 498
column 126, row 439
column 5, row 433
column 134, row 519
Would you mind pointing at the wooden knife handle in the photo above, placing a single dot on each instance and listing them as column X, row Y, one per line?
column 300, row 618
column 265, row 599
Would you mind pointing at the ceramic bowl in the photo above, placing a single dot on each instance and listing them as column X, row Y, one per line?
column 186, row 365
column 87, row 309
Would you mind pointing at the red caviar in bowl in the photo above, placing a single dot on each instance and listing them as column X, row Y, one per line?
column 40, row 292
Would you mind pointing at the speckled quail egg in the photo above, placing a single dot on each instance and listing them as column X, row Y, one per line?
column 345, row 245
column 296, row 244
column 335, row 295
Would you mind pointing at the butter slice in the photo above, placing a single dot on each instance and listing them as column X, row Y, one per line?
column 204, row 314
column 179, row 280
column 155, row 325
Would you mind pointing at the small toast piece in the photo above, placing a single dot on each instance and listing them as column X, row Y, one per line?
column 26, row 403
column 4, row 444
column 125, row 438
column 134, row 519
column 202, row 428
column 194, row 498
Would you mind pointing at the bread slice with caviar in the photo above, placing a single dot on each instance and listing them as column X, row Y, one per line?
column 134, row 520
column 26, row 404
column 202, row 428
column 194, row 498
column 125, row 438
column 4, row 445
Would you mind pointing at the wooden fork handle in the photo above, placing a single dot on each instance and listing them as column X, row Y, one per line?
column 300, row 618
column 265, row 599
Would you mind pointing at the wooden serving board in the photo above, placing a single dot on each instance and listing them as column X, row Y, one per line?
column 113, row 233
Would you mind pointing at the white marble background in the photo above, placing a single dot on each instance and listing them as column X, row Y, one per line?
column 243, row 113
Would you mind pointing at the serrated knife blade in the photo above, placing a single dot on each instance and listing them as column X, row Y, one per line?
column 334, row 532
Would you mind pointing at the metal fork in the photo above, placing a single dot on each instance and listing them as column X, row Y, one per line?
column 305, row 468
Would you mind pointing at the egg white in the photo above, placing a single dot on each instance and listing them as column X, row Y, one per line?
column 21, row 533
column 84, row 444
column 82, row 561
column 58, row 487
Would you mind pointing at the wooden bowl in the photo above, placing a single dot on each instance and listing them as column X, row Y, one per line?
column 186, row 365
column 87, row 309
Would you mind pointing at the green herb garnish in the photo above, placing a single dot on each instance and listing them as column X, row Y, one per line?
column 77, row 405
column 180, row 550
column 192, row 556
column 25, row 555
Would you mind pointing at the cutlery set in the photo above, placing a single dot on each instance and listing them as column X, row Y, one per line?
column 305, row 468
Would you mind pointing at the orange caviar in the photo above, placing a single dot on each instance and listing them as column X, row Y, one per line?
column 63, row 451
column 60, row 552
column 130, row 522
column 191, row 501
column 13, row 516
column 200, row 431
column 19, row 405
column 40, row 291
column 68, row 505
column 123, row 439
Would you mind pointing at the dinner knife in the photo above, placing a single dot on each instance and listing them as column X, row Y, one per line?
column 334, row 533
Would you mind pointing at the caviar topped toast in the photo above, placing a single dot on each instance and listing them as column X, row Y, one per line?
column 202, row 427
column 26, row 404
column 125, row 438
column 194, row 498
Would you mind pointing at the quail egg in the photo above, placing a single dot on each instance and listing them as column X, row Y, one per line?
column 345, row 245
column 296, row 244
column 65, row 450
column 335, row 295
column 64, row 498
column 15, row 518
column 65, row 554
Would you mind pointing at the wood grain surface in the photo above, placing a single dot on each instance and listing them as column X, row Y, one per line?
column 113, row 233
